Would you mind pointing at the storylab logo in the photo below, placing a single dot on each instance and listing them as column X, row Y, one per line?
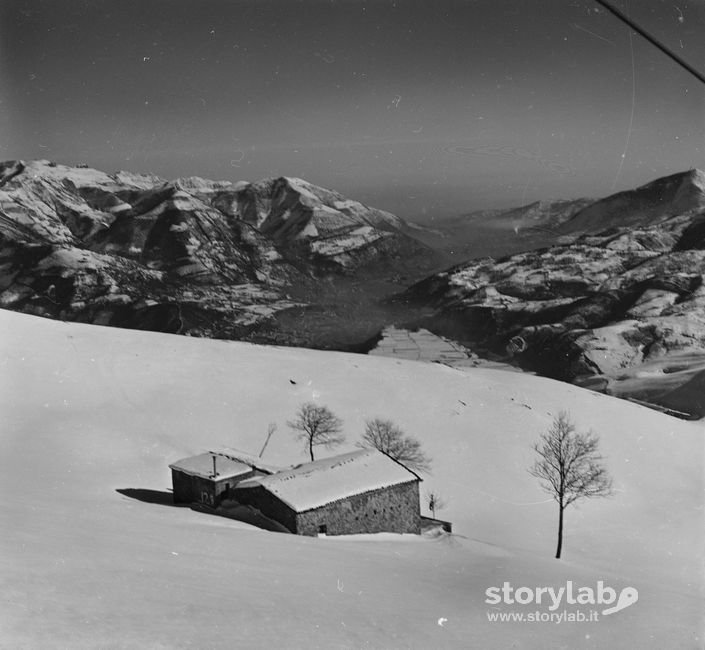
column 556, row 605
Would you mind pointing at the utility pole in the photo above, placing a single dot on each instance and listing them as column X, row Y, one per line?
column 270, row 430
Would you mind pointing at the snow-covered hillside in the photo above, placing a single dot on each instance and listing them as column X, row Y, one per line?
column 88, row 411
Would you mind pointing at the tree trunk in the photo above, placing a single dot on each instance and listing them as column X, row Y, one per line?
column 560, row 531
column 310, row 448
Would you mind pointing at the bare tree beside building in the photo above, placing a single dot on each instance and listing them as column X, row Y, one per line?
column 316, row 426
column 388, row 438
column 569, row 467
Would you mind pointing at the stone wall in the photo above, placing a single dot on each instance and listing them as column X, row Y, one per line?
column 196, row 489
column 269, row 505
column 224, row 487
column 192, row 489
column 394, row 509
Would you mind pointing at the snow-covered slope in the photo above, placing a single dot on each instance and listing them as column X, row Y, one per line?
column 88, row 411
column 645, row 205
column 604, row 310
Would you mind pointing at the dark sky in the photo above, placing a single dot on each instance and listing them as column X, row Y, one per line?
column 423, row 108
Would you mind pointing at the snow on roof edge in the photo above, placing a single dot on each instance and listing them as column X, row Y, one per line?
column 237, row 455
column 189, row 466
column 302, row 488
column 253, row 483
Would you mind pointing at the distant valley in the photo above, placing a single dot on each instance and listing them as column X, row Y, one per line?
column 607, row 294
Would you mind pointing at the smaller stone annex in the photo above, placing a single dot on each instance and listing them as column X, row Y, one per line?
column 209, row 478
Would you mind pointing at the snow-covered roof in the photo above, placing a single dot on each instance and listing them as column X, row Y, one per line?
column 202, row 465
column 315, row 484
column 248, row 459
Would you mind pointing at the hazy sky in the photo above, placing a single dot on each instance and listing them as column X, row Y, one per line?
column 420, row 107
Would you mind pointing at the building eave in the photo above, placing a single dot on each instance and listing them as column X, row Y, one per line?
column 349, row 496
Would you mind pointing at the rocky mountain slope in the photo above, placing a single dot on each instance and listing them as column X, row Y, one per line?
column 501, row 231
column 620, row 308
column 667, row 196
column 497, row 232
column 309, row 224
column 194, row 256
column 539, row 215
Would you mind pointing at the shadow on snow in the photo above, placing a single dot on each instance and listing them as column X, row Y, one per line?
column 228, row 509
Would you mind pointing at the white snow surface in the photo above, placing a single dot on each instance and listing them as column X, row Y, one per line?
column 326, row 480
column 202, row 465
column 75, row 258
column 303, row 187
column 88, row 177
column 248, row 459
column 89, row 410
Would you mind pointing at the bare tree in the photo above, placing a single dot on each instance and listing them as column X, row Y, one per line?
column 317, row 425
column 391, row 440
column 569, row 467
column 435, row 502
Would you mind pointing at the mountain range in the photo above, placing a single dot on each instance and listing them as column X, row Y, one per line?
column 190, row 256
column 606, row 294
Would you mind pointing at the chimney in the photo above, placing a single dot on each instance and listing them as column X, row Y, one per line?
column 215, row 472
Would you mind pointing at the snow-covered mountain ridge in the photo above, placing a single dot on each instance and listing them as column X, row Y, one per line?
column 650, row 203
column 210, row 258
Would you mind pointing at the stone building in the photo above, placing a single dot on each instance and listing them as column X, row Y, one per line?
column 210, row 478
column 359, row 492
